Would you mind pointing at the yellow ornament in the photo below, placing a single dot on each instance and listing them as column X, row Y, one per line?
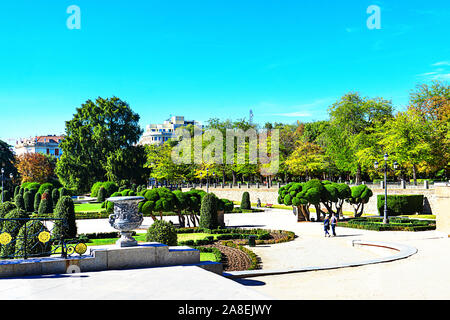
column 80, row 248
column 44, row 236
column 5, row 238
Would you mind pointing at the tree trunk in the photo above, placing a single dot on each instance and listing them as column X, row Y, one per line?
column 414, row 174
column 358, row 175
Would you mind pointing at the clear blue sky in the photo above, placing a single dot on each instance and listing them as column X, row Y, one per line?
column 286, row 60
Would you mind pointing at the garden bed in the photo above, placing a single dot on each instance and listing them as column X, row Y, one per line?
column 395, row 224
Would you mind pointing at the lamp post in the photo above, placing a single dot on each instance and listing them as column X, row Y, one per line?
column 3, row 172
column 386, row 157
column 207, row 181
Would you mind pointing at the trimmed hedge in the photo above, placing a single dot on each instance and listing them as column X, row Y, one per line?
column 163, row 232
column 245, row 203
column 401, row 204
column 208, row 212
column 395, row 224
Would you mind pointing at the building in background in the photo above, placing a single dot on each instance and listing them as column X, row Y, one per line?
column 41, row 144
column 160, row 133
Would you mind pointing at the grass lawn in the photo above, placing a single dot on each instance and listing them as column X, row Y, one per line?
column 88, row 207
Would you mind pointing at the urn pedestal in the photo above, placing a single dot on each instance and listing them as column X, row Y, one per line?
column 126, row 218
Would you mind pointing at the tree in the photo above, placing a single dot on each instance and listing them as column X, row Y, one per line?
column 96, row 131
column 245, row 203
column 35, row 167
column 360, row 195
column 351, row 119
column 67, row 227
column 308, row 160
column 208, row 212
column 128, row 164
column 7, row 159
column 158, row 200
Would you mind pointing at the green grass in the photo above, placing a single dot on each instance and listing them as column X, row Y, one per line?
column 207, row 256
column 89, row 207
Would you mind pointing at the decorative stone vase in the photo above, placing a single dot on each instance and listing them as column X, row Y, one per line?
column 126, row 218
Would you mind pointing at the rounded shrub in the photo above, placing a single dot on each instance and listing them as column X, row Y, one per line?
column 163, row 232
column 6, row 207
column 55, row 196
column 28, row 199
column 63, row 192
column 45, row 187
column 245, row 203
column 101, row 195
column 18, row 200
column 32, row 247
column 12, row 227
column 46, row 205
column 208, row 212
column 37, row 201
column 6, row 195
column 66, row 228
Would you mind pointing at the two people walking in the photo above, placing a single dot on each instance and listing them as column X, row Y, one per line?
column 330, row 220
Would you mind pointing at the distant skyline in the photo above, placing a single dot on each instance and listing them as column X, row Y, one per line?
column 285, row 60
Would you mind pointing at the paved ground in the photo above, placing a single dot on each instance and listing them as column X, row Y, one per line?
column 425, row 275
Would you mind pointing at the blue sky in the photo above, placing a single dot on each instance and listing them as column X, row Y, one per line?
column 285, row 60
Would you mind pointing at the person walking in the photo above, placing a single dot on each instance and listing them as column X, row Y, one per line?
column 326, row 226
column 333, row 223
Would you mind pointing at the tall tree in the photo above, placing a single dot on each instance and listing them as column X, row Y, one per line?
column 97, row 130
column 35, row 167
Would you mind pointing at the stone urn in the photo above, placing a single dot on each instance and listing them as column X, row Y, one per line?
column 126, row 218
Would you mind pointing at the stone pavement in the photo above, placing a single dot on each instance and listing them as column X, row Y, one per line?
column 425, row 275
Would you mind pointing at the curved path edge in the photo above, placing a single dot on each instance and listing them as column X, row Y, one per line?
column 402, row 252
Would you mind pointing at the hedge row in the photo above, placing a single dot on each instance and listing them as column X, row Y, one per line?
column 395, row 224
column 401, row 204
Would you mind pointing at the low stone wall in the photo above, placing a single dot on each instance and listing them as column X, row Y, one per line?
column 443, row 207
column 270, row 195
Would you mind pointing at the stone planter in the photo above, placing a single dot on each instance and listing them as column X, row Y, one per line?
column 126, row 218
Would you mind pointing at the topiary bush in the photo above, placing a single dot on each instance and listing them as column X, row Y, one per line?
column 37, row 201
column 46, row 204
column 32, row 247
column 67, row 228
column 101, row 195
column 28, row 199
column 12, row 227
column 401, row 204
column 55, row 196
column 163, row 232
column 45, row 187
column 245, row 203
column 208, row 212
column 18, row 200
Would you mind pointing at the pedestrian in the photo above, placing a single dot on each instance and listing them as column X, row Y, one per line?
column 333, row 222
column 258, row 203
column 326, row 226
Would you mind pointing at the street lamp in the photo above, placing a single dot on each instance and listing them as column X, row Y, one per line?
column 376, row 164
column 3, row 171
column 207, row 181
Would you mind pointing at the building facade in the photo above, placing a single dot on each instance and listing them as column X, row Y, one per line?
column 157, row 134
column 42, row 144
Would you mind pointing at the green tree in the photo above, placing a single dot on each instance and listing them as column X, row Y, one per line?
column 360, row 195
column 128, row 164
column 96, row 131
column 208, row 212
column 67, row 227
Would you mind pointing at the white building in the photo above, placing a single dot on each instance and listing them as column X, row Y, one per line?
column 42, row 144
column 160, row 133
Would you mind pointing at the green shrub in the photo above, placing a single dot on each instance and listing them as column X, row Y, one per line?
column 45, row 187
column 37, row 201
column 163, row 232
column 226, row 205
column 101, row 194
column 32, row 247
column 46, row 204
column 401, row 204
column 55, row 196
column 110, row 187
column 208, row 212
column 6, row 207
column 12, row 227
column 63, row 192
column 31, row 186
column 6, row 195
column 16, row 191
column 67, row 228
column 18, row 200
column 28, row 199
column 245, row 203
